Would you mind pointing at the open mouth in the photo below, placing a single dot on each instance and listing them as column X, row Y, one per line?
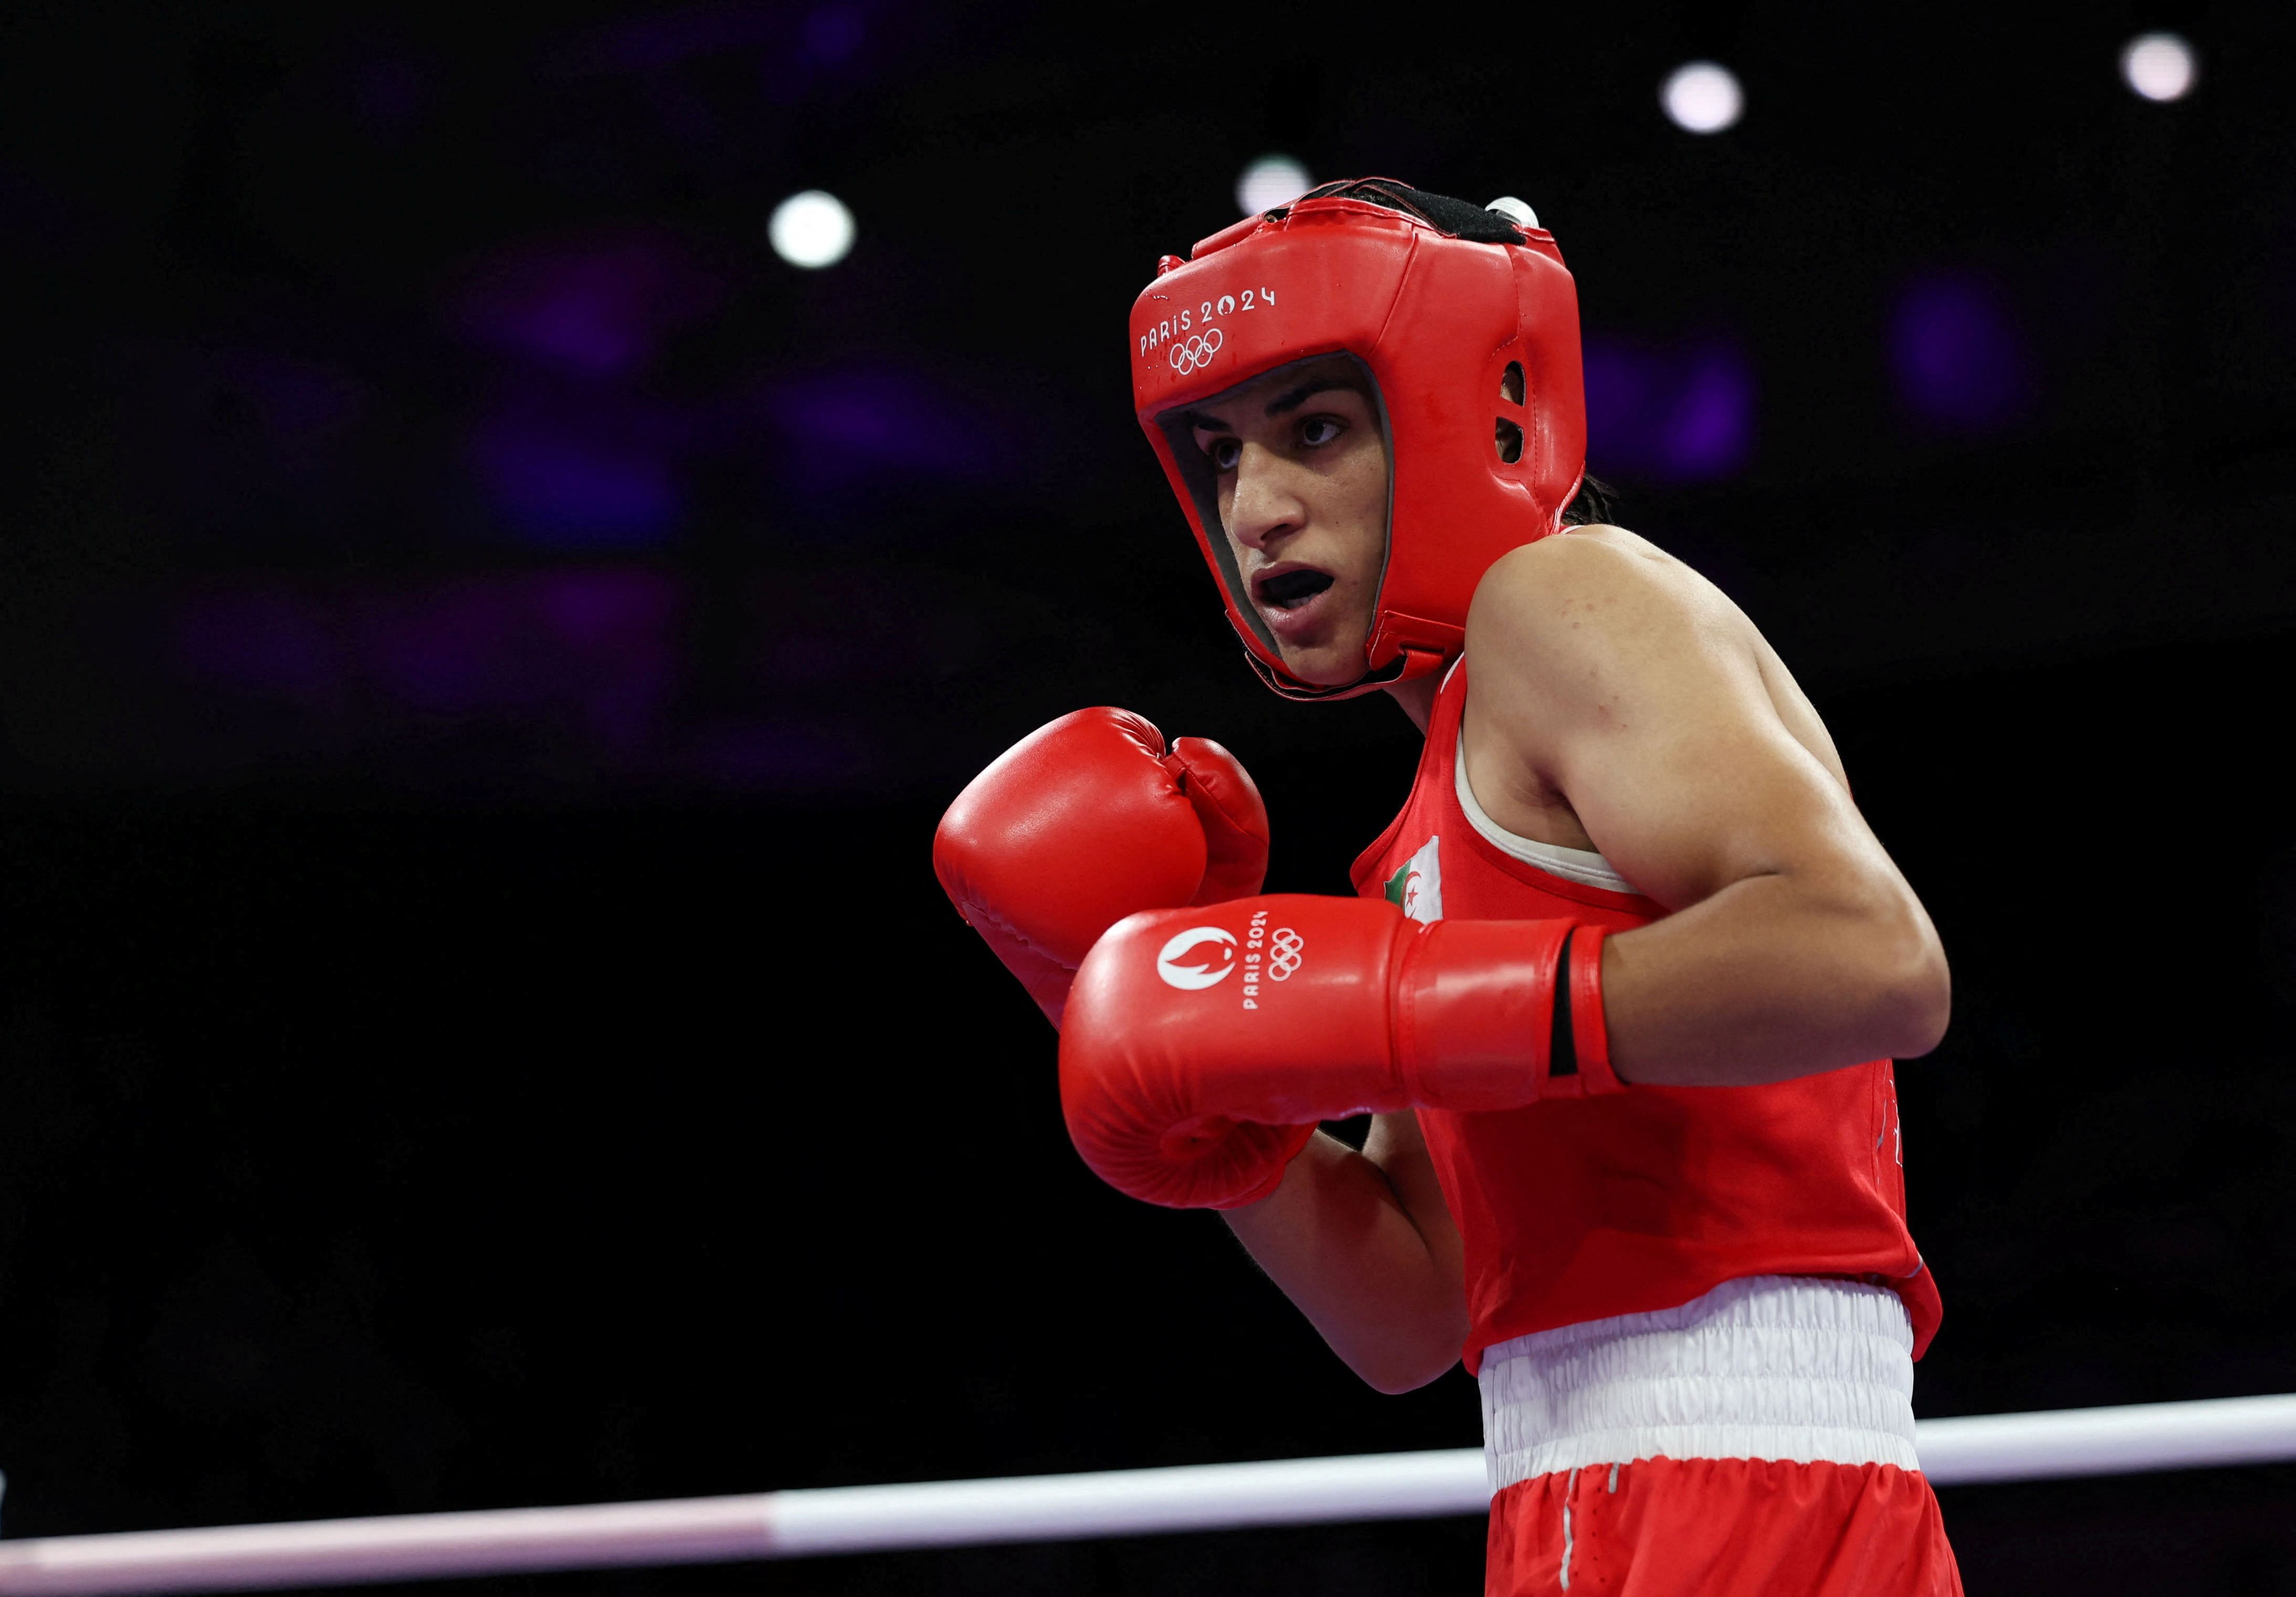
column 1288, row 590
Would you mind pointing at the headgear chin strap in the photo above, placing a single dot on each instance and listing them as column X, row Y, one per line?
column 1468, row 325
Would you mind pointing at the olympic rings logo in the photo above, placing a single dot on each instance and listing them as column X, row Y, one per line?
column 1197, row 351
column 1285, row 959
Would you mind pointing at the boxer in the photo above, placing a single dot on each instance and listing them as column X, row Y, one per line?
column 1622, row 985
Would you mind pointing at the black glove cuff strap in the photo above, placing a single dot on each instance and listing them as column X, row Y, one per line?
column 1562, row 1049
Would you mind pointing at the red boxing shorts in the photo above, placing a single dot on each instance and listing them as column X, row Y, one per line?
column 1759, row 1439
column 1721, row 1527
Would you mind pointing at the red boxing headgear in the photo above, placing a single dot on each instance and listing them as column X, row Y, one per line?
column 1469, row 328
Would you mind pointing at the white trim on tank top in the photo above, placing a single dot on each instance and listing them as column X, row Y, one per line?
column 1584, row 866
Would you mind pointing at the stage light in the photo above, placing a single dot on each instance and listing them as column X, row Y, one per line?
column 1701, row 96
column 1271, row 181
column 2160, row 66
column 811, row 230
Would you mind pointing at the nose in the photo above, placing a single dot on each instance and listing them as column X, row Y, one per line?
column 1263, row 507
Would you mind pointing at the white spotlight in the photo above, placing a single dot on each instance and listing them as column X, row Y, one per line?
column 812, row 229
column 1701, row 96
column 2160, row 66
column 1271, row 181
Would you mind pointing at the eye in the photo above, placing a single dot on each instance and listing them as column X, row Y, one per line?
column 1223, row 453
column 1315, row 432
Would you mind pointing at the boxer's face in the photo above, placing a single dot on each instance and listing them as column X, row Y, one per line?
column 1302, row 472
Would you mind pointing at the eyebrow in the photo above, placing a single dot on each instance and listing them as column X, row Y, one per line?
column 1284, row 403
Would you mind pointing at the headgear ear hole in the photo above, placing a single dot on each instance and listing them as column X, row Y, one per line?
column 1511, row 383
column 1510, row 441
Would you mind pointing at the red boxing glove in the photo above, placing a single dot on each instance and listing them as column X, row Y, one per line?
column 1088, row 819
column 1200, row 1049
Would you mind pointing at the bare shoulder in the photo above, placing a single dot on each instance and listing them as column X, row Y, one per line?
column 1589, row 594
column 1601, row 624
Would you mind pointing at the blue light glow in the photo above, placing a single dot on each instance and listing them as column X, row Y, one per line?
column 562, row 490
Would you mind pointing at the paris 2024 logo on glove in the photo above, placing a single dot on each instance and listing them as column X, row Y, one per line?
column 1204, row 956
column 1214, row 952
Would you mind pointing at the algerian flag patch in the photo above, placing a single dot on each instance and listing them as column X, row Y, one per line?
column 1417, row 889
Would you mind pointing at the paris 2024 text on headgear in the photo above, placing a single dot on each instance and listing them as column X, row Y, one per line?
column 1467, row 325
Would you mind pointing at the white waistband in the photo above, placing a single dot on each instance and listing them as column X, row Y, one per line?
column 1769, row 1367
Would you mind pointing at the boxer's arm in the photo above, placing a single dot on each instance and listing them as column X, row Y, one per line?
column 1621, row 679
column 1363, row 1245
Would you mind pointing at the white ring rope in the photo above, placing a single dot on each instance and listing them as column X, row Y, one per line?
column 957, row 1513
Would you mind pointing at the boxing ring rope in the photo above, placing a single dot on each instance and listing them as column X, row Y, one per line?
column 958, row 1513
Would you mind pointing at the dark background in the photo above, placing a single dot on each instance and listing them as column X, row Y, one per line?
column 483, row 645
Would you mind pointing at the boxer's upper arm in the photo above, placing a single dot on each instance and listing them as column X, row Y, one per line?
column 1628, row 683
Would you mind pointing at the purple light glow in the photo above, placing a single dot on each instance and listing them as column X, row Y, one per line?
column 655, row 43
column 833, row 33
column 598, row 308
column 1682, row 414
column 594, row 650
column 1960, row 359
column 782, row 756
column 794, row 47
column 846, row 428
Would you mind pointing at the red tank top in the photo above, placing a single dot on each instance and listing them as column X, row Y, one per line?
column 1583, row 1208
